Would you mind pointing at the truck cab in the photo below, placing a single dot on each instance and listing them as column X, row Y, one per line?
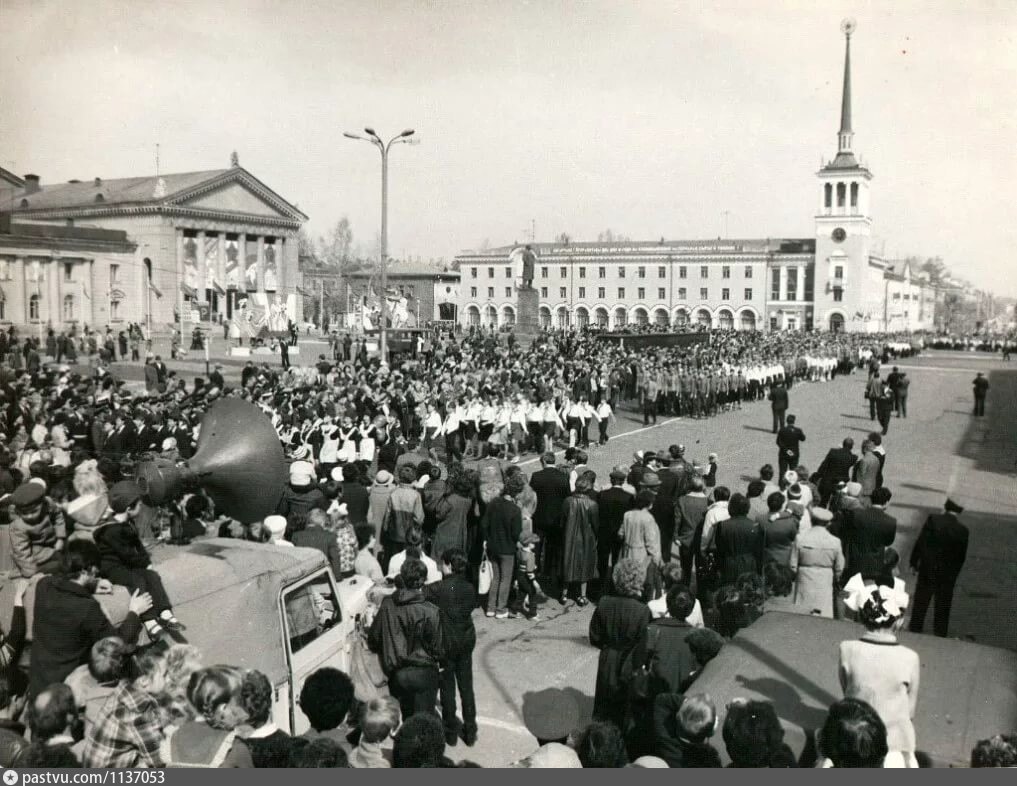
column 275, row 609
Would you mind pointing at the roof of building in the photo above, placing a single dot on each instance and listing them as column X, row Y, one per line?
column 407, row 270
column 10, row 178
column 126, row 190
column 148, row 192
column 662, row 246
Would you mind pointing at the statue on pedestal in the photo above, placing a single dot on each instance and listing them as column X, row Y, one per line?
column 529, row 262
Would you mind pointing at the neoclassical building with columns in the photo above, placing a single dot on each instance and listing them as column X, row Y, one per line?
column 202, row 243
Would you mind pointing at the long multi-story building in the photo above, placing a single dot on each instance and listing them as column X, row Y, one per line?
column 831, row 280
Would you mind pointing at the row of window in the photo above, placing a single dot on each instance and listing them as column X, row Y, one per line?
column 114, row 272
column 725, row 293
column 35, row 301
column 683, row 272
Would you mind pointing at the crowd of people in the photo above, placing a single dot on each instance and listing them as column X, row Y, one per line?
column 405, row 475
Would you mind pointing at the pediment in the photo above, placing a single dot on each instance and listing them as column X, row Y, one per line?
column 234, row 197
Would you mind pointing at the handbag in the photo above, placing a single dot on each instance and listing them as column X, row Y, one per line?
column 639, row 679
column 484, row 574
column 368, row 678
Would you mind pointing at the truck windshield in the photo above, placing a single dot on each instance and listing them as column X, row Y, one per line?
column 312, row 607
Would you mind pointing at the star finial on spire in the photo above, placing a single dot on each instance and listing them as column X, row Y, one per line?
column 234, row 159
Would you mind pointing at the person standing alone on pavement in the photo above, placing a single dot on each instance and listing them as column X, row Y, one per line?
column 789, row 450
column 937, row 558
column 900, row 392
column 981, row 387
column 778, row 404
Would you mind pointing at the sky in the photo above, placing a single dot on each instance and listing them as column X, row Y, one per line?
column 653, row 118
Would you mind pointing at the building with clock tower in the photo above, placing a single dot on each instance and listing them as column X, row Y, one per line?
column 848, row 278
column 830, row 281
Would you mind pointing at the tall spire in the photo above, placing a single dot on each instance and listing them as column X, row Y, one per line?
column 845, row 135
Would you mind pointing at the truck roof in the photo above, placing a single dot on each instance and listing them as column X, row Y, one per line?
column 968, row 691
column 226, row 593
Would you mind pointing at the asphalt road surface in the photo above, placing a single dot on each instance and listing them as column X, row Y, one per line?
column 939, row 450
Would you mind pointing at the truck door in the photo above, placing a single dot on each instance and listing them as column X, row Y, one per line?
column 315, row 635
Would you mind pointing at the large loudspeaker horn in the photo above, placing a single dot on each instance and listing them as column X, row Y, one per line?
column 239, row 462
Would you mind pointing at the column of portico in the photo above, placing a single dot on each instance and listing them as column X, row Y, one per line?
column 203, row 282
column 220, row 271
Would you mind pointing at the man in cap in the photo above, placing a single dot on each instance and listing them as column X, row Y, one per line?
column 937, row 558
column 35, row 542
column 980, row 387
column 818, row 560
column 301, row 496
column 216, row 379
column 125, row 560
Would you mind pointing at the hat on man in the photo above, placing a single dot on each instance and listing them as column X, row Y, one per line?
column 337, row 474
column 794, row 491
column 548, row 458
column 27, row 495
column 301, row 473
column 124, row 494
column 821, row 514
column 618, row 474
column 638, row 455
column 952, row 507
column 383, row 478
column 650, row 480
column 276, row 526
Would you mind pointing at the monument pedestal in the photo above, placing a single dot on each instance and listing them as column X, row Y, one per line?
column 527, row 315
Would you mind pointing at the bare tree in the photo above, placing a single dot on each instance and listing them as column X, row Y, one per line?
column 335, row 248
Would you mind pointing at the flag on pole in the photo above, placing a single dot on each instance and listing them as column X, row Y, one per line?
column 217, row 288
column 155, row 289
column 189, row 291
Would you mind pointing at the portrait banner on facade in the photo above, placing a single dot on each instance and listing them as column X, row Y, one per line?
column 232, row 263
column 251, row 266
column 191, row 263
column 271, row 268
column 211, row 252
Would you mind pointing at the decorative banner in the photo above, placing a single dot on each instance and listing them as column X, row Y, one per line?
column 232, row 264
column 271, row 271
column 211, row 259
column 191, row 262
column 251, row 266
column 273, row 312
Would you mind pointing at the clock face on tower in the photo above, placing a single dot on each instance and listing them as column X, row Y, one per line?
column 838, row 235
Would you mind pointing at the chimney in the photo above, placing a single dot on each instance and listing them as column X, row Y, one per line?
column 98, row 182
column 31, row 184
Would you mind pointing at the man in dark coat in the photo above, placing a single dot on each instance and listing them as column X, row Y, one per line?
column 739, row 542
column 407, row 635
column 551, row 486
column 151, row 375
column 980, row 387
column 68, row 620
column 789, row 448
column 937, row 558
column 690, row 513
column 866, row 534
column 456, row 598
column 836, row 468
column 614, row 502
column 778, row 404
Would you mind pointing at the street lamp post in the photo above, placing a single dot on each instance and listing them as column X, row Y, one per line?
column 383, row 148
